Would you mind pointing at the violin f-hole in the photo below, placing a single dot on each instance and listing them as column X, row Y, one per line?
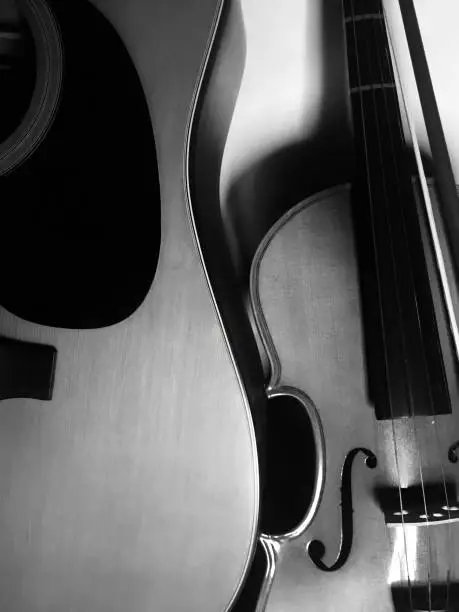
column 316, row 548
column 452, row 452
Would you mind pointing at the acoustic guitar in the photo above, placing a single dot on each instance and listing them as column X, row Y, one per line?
column 129, row 476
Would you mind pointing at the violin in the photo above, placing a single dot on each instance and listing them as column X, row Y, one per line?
column 353, row 295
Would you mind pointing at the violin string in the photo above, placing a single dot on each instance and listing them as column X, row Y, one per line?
column 422, row 179
column 385, row 199
column 441, row 265
column 371, row 205
column 383, row 30
column 400, row 198
column 450, row 548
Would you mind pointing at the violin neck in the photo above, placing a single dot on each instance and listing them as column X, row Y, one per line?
column 406, row 375
column 377, row 123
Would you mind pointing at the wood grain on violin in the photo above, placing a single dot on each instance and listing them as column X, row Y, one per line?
column 346, row 299
column 129, row 472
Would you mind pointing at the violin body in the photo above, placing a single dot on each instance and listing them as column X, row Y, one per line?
column 290, row 136
column 133, row 485
column 305, row 291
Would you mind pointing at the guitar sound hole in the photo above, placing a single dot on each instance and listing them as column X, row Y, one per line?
column 17, row 74
column 81, row 214
column 290, row 466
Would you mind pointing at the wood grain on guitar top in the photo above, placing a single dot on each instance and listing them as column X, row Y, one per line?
column 136, row 488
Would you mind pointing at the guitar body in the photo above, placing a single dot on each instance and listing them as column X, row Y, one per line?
column 134, row 486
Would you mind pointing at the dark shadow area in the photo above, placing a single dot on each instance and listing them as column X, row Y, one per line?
column 17, row 74
column 290, row 466
column 81, row 216
column 248, row 598
column 290, row 461
column 265, row 191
